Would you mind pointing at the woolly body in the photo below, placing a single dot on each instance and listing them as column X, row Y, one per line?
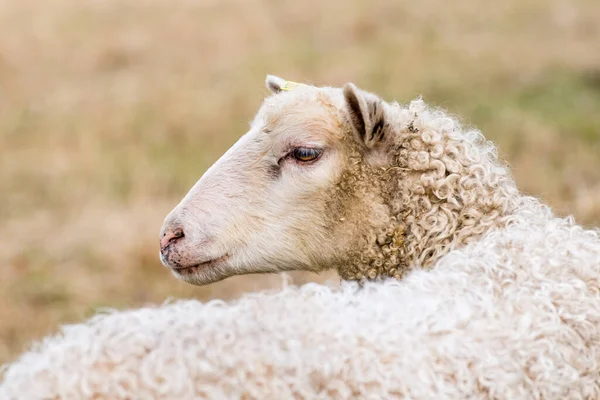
column 514, row 316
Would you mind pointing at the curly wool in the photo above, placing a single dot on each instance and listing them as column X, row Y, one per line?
column 446, row 188
column 515, row 315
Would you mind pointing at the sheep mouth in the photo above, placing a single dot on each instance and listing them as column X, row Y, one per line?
column 203, row 265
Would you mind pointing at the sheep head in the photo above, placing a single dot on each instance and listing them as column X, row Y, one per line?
column 335, row 178
column 294, row 193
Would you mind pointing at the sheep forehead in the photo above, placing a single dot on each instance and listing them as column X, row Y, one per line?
column 309, row 112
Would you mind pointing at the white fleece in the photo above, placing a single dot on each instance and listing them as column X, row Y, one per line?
column 515, row 315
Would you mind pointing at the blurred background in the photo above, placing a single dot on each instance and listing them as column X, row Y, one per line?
column 111, row 110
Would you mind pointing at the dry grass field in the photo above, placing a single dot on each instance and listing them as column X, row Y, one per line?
column 111, row 109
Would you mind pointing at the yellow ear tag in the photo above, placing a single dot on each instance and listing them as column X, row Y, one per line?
column 289, row 85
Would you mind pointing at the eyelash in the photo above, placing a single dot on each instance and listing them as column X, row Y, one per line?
column 305, row 154
column 309, row 154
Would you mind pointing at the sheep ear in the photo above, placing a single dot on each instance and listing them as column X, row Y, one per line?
column 366, row 113
column 274, row 83
column 277, row 84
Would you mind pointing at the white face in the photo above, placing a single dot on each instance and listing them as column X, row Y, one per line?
column 266, row 204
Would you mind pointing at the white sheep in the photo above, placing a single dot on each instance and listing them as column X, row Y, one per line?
column 498, row 298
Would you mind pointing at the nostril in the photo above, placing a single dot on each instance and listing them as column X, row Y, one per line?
column 171, row 236
column 177, row 233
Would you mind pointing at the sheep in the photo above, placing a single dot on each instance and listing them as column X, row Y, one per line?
column 455, row 285
column 337, row 178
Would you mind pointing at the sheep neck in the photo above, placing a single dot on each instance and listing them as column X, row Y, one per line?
column 437, row 196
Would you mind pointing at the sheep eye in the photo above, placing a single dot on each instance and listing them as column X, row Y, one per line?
column 305, row 154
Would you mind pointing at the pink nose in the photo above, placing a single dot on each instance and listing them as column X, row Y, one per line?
column 170, row 236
